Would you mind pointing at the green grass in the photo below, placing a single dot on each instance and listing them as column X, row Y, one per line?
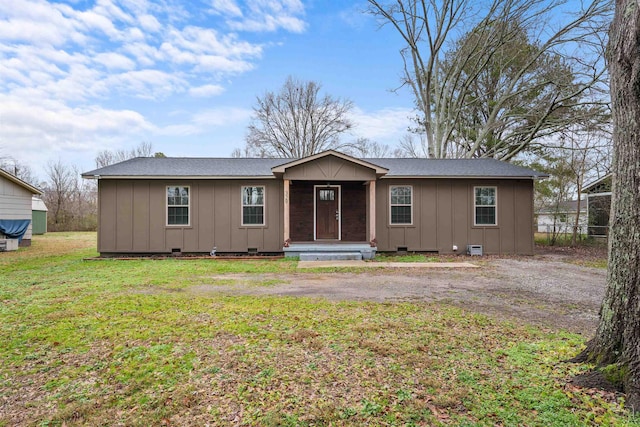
column 413, row 257
column 594, row 263
column 127, row 342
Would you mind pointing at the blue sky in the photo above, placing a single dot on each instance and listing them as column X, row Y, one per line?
column 78, row 77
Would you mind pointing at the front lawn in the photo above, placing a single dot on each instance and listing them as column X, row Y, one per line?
column 127, row 343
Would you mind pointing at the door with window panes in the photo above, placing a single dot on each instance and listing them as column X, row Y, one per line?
column 327, row 213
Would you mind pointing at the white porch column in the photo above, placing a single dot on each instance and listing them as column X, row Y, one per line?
column 372, row 210
column 286, row 211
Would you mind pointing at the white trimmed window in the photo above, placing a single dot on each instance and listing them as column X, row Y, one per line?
column 177, row 205
column 485, row 204
column 253, row 205
column 401, row 201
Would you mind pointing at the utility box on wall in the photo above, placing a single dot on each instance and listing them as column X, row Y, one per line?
column 474, row 250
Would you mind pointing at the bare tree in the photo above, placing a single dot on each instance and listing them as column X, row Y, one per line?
column 581, row 154
column 365, row 148
column 108, row 157
column 296, row 122
column 71, row 200
column 587, row 152
column 57, row 193
column 411, row 145
column 241, row 152
column 19, row 169
column 616, row 344
column 510, row 80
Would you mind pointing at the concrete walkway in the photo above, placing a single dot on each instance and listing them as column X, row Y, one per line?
column 365, row 264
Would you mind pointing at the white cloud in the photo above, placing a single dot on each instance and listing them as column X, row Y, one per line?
column 77, row 84
column 91, row 21
column 208, row 41
column 37, row 133
column 213, row 63
column 149, row 23
column 116, row 38
column 68, row 68
column 208, row 52
column 262, row 15
column 145, row 54
column 42, row 122
column 36, row 22
column 226, row 7
column 206, row 91
column 148, row 84
column 269, row 22
column 52, row 49
column 386, row 126
column 115, row 61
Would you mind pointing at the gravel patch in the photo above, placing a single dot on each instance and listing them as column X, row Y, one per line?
column 542, row 290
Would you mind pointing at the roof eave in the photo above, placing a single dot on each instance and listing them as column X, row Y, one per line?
column 281, row 169
column 462, row 177
column 20, row 182
column 175, row 177
column 596, row 182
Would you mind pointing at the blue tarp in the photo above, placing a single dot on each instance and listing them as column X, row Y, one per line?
column 14, row 228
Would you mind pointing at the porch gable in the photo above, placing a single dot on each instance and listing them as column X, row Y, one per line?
column 330, row 165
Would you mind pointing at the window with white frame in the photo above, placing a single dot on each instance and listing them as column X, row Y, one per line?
column 253, row 205
column 401, row 200
column 485, row 206
column 177, row 205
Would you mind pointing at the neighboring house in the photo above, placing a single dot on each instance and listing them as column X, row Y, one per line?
column 599, row 205
column 39, row 216
column 240, row 205
column 15, row 208
column 561, row 217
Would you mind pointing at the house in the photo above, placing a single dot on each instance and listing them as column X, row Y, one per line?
column 15, row 210
column 561, row 217
column 39, row 215
column 599, row 205
column 329, row 200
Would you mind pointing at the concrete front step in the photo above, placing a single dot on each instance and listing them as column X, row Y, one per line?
column 298, row 249
column 330, row 256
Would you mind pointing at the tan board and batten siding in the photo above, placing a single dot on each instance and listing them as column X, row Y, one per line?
column 133, row 217
column 443, row 217
column 15, row 203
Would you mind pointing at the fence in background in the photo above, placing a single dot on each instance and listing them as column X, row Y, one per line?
column 564, row 232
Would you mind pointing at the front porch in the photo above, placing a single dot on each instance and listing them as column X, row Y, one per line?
column 329, row 220
column 329, row 209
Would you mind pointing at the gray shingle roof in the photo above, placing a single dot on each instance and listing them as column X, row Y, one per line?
column 455, row 168
column 568, row 206
column 185, row 166
column 243, row 167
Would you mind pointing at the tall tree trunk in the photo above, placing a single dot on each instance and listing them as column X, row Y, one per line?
column 617, row 339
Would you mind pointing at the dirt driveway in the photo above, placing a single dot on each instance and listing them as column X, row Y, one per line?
column 544, row 289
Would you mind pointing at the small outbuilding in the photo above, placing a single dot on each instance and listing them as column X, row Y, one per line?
column 561, row 217
column 15, row 210
column 39, row 215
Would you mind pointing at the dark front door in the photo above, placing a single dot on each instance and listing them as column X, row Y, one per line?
column 327, row 213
